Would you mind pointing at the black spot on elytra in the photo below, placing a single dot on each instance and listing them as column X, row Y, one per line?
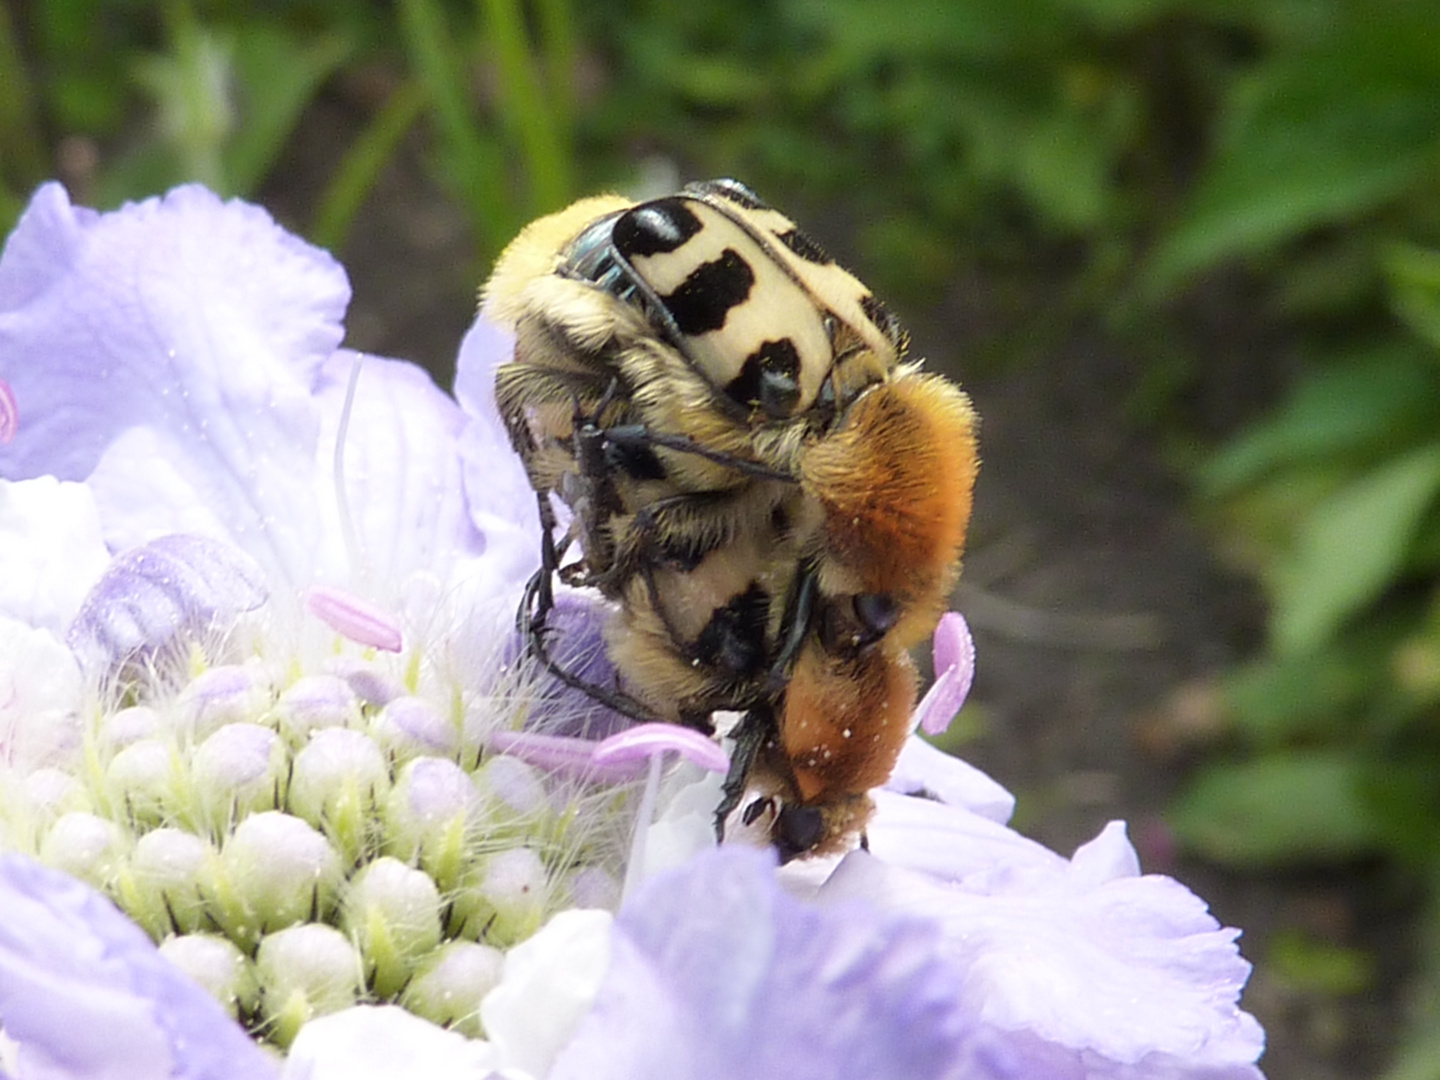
column 702, row 302
column 803, row 246
column 654, row 228
column 884, row 321
column 769, row 379
column 734, row 638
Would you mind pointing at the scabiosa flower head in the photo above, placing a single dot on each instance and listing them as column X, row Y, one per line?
column 260, row 688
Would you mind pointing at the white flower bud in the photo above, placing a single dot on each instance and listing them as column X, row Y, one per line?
column 592, row 887
column 336, row 782
column 160, row 886
column 512, row 790
column 316, row 702
column 141, row 778
column 52, row 792
column 392, row 913
column 411, row 726
column 371, row 684
column 218, row 966
column 226, row 694
column 275, row 871
column 237, row 771
column 451, row 981
column 119, row 729
column 430, row 815
column 305, row 971
column 504, row 899
column 85, row 846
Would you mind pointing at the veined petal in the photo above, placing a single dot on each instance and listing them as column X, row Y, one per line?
column 952, row 843
column 87, row 996
column 51, row 549
column 41, row 697
column 404, row 486
column 1081, row 968
column 211, row 299
column 200, row 320
column 924, row 770
column 502, row 502
column 716, row 973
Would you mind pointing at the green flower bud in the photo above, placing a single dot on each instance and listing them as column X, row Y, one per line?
column 226, row 694
column 336, row 782
column 160, row 884
column 315, row 703
column 430, row 817
column 275, row 871
column 392, row 913
column 141, row 779
column 304, row 972
column 85, row 846
column 504, row 899
column 450, row 983
column 217, row 965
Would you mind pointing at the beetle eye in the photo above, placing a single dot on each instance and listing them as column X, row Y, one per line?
column 877, row 612
column 797, row 830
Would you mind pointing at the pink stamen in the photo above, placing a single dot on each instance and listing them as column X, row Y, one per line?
column 954, row 675
column 560, row 753
column 9, row 414
column 647, row 740
column 354, row 618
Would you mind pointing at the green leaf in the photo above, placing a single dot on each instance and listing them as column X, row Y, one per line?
column 1360, row 402
column 362, row 163
column 22, row 153
column 279, row 76
column 1350, row 548
column 536, row 120
column 1415, row 288
column 190, row 85
column 1065, row 167
column 473, row 160
column 1315, row 137
column 1279, row 699
column 1313, row 966
column 1291, row 809
column 1419, row 1051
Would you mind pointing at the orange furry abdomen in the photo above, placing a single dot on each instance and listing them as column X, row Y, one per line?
column 896, row 480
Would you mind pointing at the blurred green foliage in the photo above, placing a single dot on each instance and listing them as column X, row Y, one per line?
column 1113, row 156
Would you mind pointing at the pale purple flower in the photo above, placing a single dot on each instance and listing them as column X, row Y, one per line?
column 84, row 992
column 326, row 643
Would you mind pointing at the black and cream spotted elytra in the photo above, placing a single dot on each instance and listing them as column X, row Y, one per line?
column 774, row 499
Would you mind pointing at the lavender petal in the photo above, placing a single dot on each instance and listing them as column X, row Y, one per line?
column 86, row 995
column 1078, row 967
column 502, row 502
column 716, row 973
